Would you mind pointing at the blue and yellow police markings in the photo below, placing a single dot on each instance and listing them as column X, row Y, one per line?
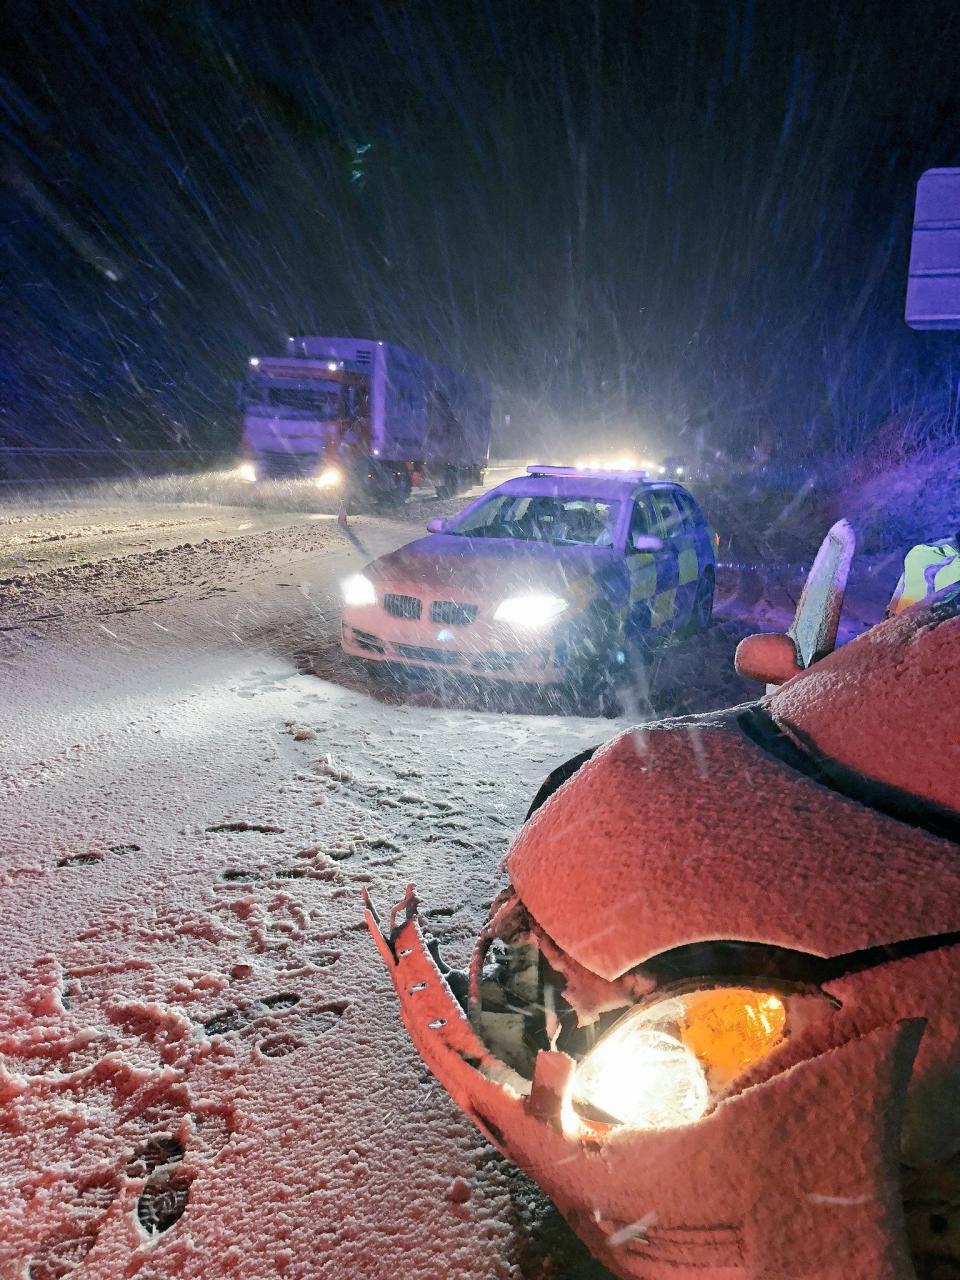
column 688, row 564
column 653, row 582
column 656, row 581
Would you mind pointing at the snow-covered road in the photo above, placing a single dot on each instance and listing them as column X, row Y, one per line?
column 202, row 1070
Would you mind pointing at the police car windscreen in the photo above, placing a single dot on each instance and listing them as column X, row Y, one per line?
column 560, row 521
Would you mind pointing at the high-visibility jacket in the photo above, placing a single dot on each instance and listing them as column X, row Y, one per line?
column 928, row 567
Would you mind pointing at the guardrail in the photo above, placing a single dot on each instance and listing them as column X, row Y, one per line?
column 23, row 466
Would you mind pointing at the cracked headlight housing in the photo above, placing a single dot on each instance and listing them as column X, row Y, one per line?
column 667, row 1063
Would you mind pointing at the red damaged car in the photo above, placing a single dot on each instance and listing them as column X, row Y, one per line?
column 715, row 1012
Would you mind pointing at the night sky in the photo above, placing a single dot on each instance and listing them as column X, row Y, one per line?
column 668, row 222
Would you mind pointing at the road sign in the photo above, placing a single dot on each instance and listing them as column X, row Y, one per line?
column 933, row 288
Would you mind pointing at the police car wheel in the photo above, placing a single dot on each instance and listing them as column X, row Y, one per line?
column 378, row 675
column 595, row 694
column 591, row 677
column 701, row 614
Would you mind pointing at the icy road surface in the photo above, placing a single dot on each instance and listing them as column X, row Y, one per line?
column 202, row 1069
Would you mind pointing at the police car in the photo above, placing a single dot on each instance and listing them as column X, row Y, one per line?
column 560, row 575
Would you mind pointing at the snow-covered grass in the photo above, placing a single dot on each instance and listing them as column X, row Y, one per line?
column 915, row 498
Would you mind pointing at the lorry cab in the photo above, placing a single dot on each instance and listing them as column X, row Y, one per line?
column 363, row 417
column 302, row 416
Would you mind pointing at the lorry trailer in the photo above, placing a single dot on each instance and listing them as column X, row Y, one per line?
column 366, row 417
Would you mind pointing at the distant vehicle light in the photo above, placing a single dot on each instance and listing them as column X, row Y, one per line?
column 254, row 360
column 329, row 478
column 680, row 470
column 627, row 462
column 332, row 366
column 661, row 470
column 359, row 590
column 533, row 611
column 247, row 471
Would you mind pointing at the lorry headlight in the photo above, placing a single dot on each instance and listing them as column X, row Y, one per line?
column 533, row 611
column 359, row 590
column 329, row 478
column 247, row 471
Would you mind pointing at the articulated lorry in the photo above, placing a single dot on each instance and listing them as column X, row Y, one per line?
column 367, row 418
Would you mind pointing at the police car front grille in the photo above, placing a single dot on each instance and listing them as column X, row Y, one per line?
column 450, row 614
column 402, row 606
column 420, row 653
column 497, row 661
column 364, row 640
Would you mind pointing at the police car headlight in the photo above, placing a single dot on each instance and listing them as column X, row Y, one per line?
column 532, row 611
column 359, row 590
column 666, row 1064
column 248, row 472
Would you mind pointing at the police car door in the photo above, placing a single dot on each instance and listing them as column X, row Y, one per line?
column 691, row 542
column 652, row 574
column 666, row 607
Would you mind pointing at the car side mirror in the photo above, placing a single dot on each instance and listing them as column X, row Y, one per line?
column 436, row 525
column 646, row 542
column 770, row 658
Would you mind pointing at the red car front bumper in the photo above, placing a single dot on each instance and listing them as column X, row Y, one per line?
column 798, row 1176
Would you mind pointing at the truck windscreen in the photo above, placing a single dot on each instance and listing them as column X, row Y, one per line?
column 319, row 398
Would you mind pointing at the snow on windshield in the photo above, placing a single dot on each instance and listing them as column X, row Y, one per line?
column 562, row 521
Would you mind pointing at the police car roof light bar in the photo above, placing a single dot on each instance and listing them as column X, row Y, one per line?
column 538, row 470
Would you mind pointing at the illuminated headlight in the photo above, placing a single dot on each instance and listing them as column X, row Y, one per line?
column 329, row 478
column 247, row 471
column 665, row 1065
column 359, row 590
column 530, row 611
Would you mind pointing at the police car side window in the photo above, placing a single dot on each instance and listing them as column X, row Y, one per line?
column 667, row 510
column 643, row 520
column 688, row 509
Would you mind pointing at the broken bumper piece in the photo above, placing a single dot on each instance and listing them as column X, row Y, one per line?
column 795, row 1176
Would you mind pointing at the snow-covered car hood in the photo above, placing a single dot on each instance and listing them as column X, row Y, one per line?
column 486, row 568
column 689, row 831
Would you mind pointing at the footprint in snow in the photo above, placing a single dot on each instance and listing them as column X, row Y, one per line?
column 65, row 1248
column 263, row 828
column 222, row 1024
column 155, row 1152
column 163, row 1200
